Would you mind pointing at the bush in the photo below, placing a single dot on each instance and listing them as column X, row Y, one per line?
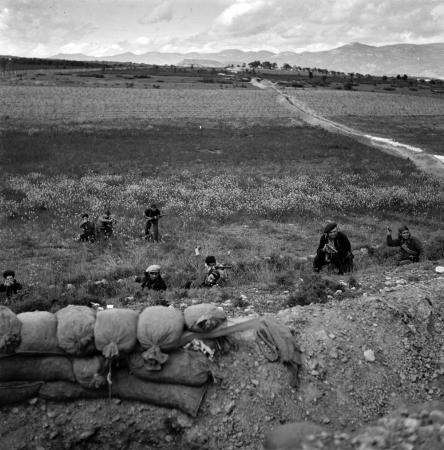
column 435, row 248
column 314, row 289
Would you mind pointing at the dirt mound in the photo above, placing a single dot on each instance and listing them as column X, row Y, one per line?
column 363, row 357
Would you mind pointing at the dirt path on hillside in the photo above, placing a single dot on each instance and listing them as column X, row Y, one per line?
column 425, row 161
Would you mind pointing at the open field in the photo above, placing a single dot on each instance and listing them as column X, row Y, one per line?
column 59, row 105
column 255, row 187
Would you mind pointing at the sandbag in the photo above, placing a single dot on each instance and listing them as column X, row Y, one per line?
column 127, row 387
column 90, row 372
column 182, row 367
column 10, row 327
column 75, row 329
column 17, row 391
column 186, row 398
column 115, row 331
column 38, row 332
column 35, row 368
column 159, row 329
column 203, row 317
column 61, row 391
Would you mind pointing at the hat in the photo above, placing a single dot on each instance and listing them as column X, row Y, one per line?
column 8, row 273
column 153, row 268
column 210, row 260
column 85, row 215
column 330, row 226
column 403, row 228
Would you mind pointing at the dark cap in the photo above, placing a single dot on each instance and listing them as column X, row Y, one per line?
column 8, row 273
column 210, row 260
column 403, row 228
column 85, row 215
column 330, row 226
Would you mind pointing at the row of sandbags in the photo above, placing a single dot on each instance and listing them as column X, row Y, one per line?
column 181, row 383
column 81, row 331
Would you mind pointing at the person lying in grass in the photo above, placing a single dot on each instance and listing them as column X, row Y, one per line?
column 410, row 248
column 10, row 285
column 334, row 249
column 152, row 279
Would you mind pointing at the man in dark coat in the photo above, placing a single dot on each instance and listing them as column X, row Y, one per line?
column 88, row 228
column 11, row 286
column 105, row 225
column 212, row 277
column 410, row 247
column 153, row 279
column 152, row 214
column 335, row 249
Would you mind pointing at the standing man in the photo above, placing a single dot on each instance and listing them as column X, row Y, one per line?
column 88, row 228
column 153, row 215
column 10, row 285
column 105, row 225
column 334, row 248
column 410, row 247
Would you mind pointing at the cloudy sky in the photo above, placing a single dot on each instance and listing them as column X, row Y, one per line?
column 107, row 27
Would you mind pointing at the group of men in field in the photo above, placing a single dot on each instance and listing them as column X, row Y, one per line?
column 102, row 228
column 334, row 250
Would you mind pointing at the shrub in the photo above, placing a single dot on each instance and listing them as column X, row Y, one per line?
column 435, row 248
column 314, row 289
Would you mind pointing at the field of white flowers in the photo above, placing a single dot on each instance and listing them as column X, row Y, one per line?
column 190, row 194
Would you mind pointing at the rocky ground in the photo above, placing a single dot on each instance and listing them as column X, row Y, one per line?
column 372, row 378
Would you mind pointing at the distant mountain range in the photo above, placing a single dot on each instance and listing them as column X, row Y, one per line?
column 425, row 60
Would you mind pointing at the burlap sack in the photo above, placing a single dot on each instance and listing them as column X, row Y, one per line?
column 35, row 368
column 203, row 317
column 10, row 327
column 182, row 367
column 75, row 329
column 90, row 372
column 159, row 329
column 38, row 332
column 18, row 391
column 115, row 331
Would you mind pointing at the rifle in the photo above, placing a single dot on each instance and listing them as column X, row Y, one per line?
column 155, row 218
column 332, row 249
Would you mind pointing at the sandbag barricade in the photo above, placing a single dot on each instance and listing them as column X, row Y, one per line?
column 159, row 329
column 128, row 387
column 10, row 327
column 75, row 330
column 203, row 317
column 51, row 355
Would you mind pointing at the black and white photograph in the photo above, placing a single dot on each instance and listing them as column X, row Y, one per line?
column 221, row 225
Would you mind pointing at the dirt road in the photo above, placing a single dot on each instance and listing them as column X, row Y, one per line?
column 429, row 163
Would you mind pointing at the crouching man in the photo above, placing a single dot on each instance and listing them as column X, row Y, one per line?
column 10, row 285
column 334, row 249
column 410, row 248
column 152, row 279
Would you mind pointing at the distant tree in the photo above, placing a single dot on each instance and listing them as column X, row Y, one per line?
column 286, row 66
column 405, row 77
column 310, row 74
column 384, row 78
column 398, row 77
column 266, row 65
column 254, row 64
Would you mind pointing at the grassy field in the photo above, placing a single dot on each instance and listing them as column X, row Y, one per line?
column 250, row 189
